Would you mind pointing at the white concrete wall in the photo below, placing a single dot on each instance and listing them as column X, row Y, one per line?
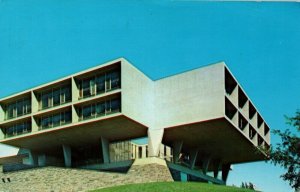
column 189, row 97
column 137, row 94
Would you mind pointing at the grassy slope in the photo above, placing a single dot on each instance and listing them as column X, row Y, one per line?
column 171, row 187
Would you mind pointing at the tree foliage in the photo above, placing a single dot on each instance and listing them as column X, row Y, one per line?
column 287, row 153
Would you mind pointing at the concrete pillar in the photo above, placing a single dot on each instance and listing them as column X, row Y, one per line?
column 67, row 155
column 105, row 150
column 144, row 151
column 33, row 158
column 154, row 140
column 193, row 157
column 225, row 172
column 42, row 160
column 177, row 146
column 218, row 166
column 206, row 162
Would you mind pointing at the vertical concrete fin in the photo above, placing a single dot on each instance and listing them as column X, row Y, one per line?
column 2, row 113
column 67, row 155
column 75, row 117
column 75, row 90
column 34, row 103
column 34, row 125
column 155, row 139
column 105, row 150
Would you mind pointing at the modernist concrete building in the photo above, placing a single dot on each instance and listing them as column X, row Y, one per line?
column 200, row 121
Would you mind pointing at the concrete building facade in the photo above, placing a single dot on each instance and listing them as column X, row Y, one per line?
column 200, row 121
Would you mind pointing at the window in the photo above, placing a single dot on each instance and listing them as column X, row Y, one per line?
column 18, row 108
column 18, row 129
column 115, row 80
column 55, row 97
column 115, row 105
column 100, row 84
column 99, row 109
column 55, row 120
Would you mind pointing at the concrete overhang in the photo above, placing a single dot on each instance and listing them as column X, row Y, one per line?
column 217, row 139
column 114, row 128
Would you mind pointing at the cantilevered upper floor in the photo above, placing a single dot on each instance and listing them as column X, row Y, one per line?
column 117, row 101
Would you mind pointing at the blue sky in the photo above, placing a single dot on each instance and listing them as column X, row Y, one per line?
column 41, row 41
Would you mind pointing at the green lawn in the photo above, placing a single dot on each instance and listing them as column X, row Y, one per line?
column 171, row 187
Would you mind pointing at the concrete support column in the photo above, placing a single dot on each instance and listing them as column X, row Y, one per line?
column 218, row 166
column 193, row 157
column 225, row 172
column 42, row 160
column 177, row 146
column 67, row 155
column 33, row 158
column 154, row 140
column 105, row 150
column 206, row 162
column 144, row 151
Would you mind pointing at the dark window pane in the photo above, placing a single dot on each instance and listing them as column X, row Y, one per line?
column 115, row 80
column 86, row 112
column 100, row 108
column 67, row 94
column 27, row 106
column 10, row 110
column 68, row 116
column 100, row 84
column 87, row 87
column 56, row 120
column 19, row 108
column 108, row 81
column 45, row 101
column 56, row 97
column 115, row 105
column 45, row 123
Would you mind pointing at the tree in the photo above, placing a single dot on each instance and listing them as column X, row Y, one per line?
column 287, row 153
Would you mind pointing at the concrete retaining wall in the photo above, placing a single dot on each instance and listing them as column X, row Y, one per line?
column 53, row 179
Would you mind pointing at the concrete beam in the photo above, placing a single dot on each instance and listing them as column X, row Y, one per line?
column 67, row 155
column 154, row 140
column 105, row 150
column 225, row 171
column 177, row 146
column 193, row 157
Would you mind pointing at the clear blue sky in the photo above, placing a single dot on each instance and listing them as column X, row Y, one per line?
column 41, row 41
